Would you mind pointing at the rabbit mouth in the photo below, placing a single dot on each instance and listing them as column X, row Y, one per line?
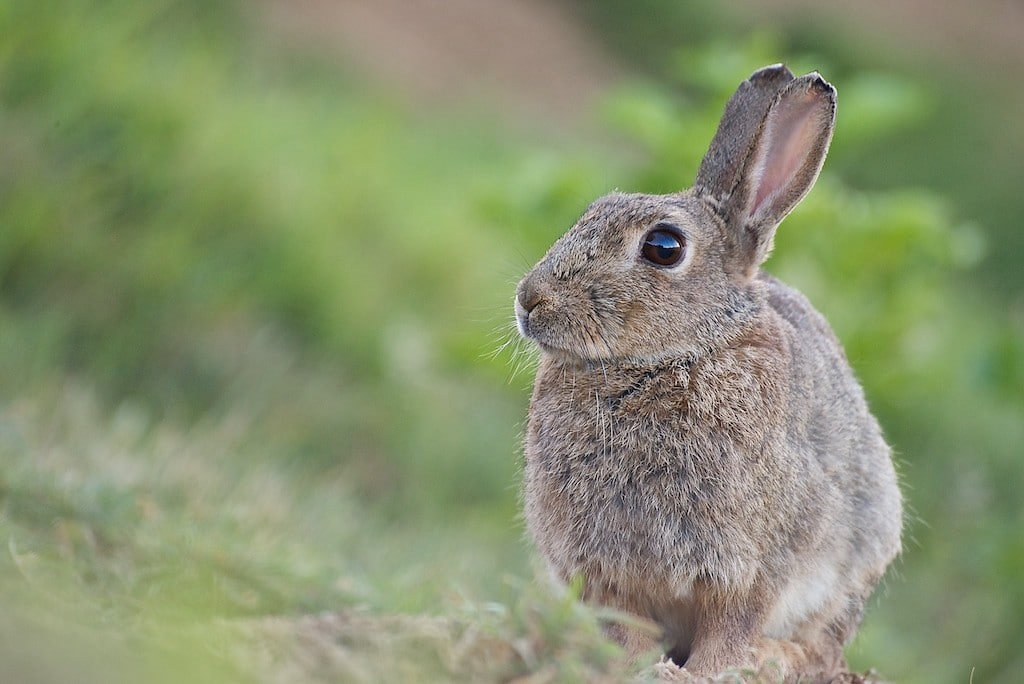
column 535, row 335
column 560, row 344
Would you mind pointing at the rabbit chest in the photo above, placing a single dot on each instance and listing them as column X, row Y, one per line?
column 661, row 474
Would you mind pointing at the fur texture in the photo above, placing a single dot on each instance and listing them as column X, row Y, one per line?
column 698, row 449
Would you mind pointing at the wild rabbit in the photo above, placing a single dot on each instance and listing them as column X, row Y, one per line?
column 698, row 450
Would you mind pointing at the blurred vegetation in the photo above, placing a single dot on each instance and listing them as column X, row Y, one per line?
column 254, row 356
column 953, row 124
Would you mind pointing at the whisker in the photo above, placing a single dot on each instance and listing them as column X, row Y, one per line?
column 506, row 337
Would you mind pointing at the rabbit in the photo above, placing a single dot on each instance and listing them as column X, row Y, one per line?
column 698, row 451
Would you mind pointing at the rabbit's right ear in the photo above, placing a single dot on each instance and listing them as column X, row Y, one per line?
column 766, row 156
column 741, row 121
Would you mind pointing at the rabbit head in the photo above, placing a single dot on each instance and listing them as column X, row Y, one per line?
column 642, row 277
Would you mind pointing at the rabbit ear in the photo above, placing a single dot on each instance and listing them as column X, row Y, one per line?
column 744, row 114
column 782, row 162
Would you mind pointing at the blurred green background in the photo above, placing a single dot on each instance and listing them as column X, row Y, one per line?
column 256, row 352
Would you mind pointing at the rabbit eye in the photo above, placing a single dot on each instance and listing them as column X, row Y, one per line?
column 663, row 247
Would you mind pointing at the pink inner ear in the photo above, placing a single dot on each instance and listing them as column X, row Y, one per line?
column 789, row 136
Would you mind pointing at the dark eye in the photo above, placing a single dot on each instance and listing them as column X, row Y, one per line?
column 663, row 246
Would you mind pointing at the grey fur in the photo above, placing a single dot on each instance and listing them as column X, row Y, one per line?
column 698, row 449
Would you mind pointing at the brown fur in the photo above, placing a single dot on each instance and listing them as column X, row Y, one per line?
column 698, row 450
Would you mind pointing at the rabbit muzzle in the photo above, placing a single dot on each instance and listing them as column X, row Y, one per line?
column 526, row 300
column 532, row 310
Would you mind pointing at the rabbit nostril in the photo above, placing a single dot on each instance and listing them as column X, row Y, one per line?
column 529, row 297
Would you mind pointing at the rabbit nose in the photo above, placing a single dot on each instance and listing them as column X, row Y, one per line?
column 529, row 296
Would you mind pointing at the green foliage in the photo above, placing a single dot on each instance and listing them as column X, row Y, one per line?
column 256, row 354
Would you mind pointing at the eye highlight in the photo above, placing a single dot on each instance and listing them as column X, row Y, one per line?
column 663, row 245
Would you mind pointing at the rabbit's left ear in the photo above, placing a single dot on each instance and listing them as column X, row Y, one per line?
column 783, row 162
